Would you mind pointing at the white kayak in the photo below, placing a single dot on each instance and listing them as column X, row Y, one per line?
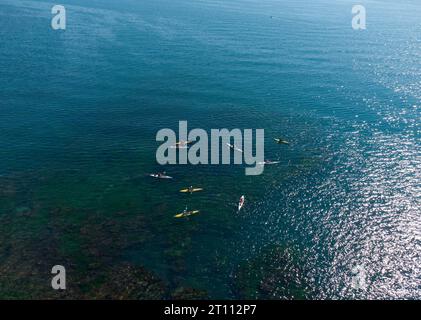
column 181, row 145
column 268, row 163
column 241, row 203
column 160, row 176
column 232, row 146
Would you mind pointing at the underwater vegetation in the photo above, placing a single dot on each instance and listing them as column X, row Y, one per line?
column 275, row 273
column 36, row 234
column 118, row 240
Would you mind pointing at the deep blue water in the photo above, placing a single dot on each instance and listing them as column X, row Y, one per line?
column 83, row 106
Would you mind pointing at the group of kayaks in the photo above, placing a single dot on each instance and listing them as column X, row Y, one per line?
column 187, row 213
column 191, row 190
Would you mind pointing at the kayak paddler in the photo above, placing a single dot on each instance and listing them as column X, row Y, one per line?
column 281, row 141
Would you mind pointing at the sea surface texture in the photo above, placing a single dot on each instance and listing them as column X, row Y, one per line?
column 339, row 217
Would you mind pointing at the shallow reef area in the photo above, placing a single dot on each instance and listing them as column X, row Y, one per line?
column 275, row 273
column 36, row 235
column 116, row 245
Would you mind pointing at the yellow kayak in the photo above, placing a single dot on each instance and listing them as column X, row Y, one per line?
column 193, row 190
column 186, row 214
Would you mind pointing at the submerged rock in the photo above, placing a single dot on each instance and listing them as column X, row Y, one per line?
column 7, row 188
column 129, row 282
column 23, row 211
column 273, row 274
column 182, row 293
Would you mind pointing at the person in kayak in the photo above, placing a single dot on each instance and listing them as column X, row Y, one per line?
column 191, row 189
column 182, row 143
column 161, row 174
column 281, row 141
column 241, row 203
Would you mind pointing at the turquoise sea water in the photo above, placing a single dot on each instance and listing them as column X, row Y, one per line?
column 80, row 109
